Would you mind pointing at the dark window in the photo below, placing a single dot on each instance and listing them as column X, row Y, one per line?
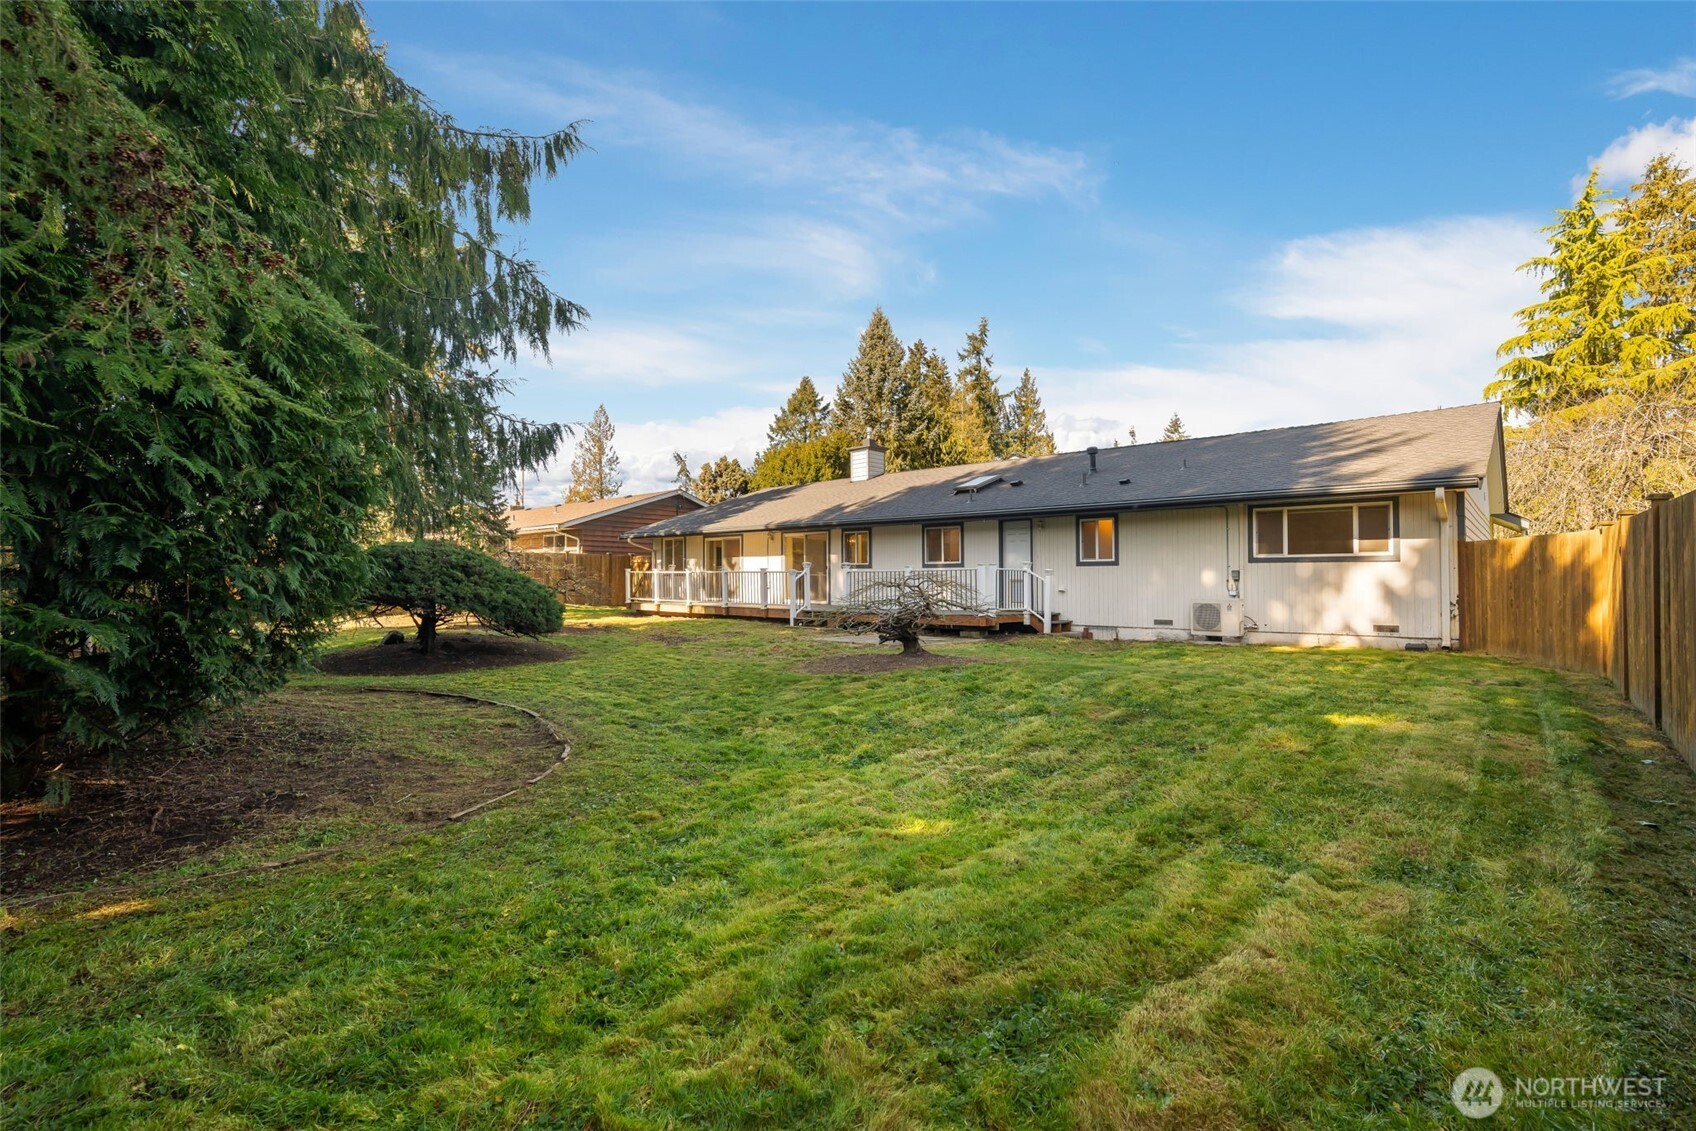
column 1098, row 540
column 1328, row 530
column 1341, row 530
column 857, row 547
column 942, row 546
column 1374, row 529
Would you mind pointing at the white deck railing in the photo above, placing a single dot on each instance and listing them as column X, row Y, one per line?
column 986, row 590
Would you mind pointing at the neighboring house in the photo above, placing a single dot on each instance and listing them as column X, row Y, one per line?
column 1338, row 533
column 597, row 527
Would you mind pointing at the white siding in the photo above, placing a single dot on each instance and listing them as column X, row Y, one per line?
column 1170, row 558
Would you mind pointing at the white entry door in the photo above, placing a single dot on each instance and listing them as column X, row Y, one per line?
column 1015, row 555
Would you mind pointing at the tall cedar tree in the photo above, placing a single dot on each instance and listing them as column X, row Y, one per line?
column 927, row 423
column 252, row 289
column 872, row 397
column 1174, row 430
column 804, row 416
column 1603, row 367
column 1572, row 346
column 594, row 469
column 978, row 432
column 1027, row 423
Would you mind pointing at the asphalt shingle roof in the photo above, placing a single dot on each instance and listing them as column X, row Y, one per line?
column 547, row 518
column 1446, row 447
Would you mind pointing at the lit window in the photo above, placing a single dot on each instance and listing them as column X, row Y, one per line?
column 857, row 547
column 1097, row 541
column 942, row 546
column 1339, row 530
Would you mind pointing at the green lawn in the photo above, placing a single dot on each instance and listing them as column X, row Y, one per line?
column 1072, row 884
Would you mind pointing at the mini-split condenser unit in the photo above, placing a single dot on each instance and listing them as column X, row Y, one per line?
column 1223, row 619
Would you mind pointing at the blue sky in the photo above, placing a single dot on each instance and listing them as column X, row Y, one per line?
column 1251, row 216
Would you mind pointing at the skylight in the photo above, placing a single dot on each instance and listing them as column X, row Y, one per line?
column 977, row 482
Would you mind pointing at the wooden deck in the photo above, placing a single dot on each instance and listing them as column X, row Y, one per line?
column 992, row 622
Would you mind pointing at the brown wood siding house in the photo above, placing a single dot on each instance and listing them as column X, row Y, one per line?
column 595, row 527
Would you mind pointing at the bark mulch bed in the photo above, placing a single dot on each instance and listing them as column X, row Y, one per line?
column 870, row 663
column 267, row 771
column 454, row 652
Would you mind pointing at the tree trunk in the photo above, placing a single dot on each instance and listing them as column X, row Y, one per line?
column 427, row 627
column 910, row 646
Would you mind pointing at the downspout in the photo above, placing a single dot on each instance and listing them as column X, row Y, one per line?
column 1444, row 557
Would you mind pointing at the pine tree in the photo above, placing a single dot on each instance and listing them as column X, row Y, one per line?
column 804, row 416
column 873, row 394
column 1134, row 440
column 1174, row 430
column 976, row 411
column 594, row 469
column 681, row 474
column 922, row 436
column 1027, row 423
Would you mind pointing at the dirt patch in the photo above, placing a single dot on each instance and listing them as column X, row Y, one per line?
column 454, row 652
column 869, row 663
column 670, row 639
column 268, row 771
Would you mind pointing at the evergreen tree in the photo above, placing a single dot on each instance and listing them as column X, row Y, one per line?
column 1573, row 340
column 809, row 461
column 253, row 288
column 594, row 469
column 804, row 416
column 922, row 437
column 1134, row 440
column 977, row 415
column 722, row 479
column 1174, row 430
column 682, row 476
column 1027, row 424
column 1603, row 367
column 873, row 395
column 1658, row 221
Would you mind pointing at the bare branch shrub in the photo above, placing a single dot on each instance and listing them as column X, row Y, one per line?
column 1572, row 470
column 898, row 608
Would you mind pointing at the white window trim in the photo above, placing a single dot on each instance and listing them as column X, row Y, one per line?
column 1394, row 553
column 924, row 545
column 866, row 530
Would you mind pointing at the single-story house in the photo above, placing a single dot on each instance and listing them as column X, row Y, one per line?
column 597, row 527
column 1340, row 533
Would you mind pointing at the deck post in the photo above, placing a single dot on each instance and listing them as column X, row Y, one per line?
column 987, row 595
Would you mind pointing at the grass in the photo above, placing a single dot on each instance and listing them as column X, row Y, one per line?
column 1073, row 884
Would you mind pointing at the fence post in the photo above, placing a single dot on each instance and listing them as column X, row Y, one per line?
column 1655, row 626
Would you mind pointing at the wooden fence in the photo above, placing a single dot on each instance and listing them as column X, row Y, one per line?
column 1619, row 602
column 579, row 579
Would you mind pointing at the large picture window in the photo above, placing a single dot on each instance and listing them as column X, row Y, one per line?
column 1098, row 540
column 856, row 547
column 943, row 546
column 1332, row 530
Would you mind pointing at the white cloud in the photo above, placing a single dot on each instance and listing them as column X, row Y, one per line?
column 1386, row 320
column 1676, row 78
column 1625, row 159
column 831, row 204
column 637, row 353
